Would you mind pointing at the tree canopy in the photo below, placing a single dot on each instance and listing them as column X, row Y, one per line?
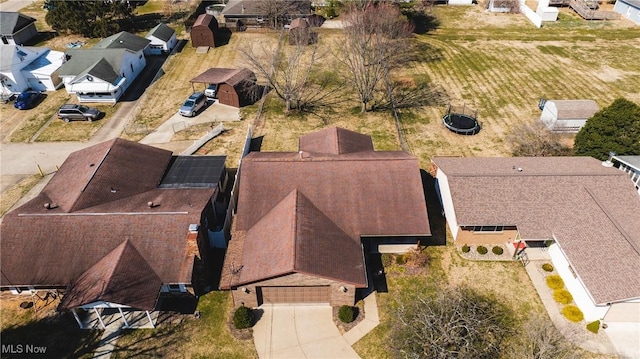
column 615, row 128
column 88, row 18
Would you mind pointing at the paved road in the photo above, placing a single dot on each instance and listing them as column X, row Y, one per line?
column 14, row 5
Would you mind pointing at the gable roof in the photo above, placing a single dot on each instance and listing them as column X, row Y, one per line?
column 336, row 141
column 92, row 209
column 162, row 32
column 350, row 195
column 206, row 20
column 83, row 59
column 218, row 75
column 102, row 70
column 575, row 109
column 123, row 276
column 592, row 211
column 12, row 22
column 123, row 40
column 248, row 8
column 299, row 22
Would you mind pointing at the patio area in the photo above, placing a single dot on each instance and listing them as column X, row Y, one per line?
column 113, row 320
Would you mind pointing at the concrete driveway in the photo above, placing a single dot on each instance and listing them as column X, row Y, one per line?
column 625, row 337
column 297, row 331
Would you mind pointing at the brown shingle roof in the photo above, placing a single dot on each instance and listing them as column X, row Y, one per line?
column 53, row 246
column 123, row 276
column 336, row 141
column 592, row 211
column 348, row 195
column 206, row 20
column 219, row 75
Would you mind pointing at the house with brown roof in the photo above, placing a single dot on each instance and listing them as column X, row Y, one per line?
column 120, row 225
column 585, row 215
column 305, row 219
column 236, row 87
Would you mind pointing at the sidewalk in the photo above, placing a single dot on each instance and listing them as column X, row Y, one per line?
column 576, row 333
column 370, row 321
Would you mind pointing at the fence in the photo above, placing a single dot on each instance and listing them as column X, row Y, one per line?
column 202, row 140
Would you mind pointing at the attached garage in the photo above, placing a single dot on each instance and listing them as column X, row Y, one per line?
column 293, row 295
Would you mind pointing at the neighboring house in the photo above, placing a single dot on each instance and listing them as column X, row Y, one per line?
column 203, row 32
column 629, row 9
column 567, row 115
column 586, row 215
column 23, row 67
column 104, row 72
column 163, row 40
column 236, row 87
column 306, row 220
column 117, row 225
column 630, row 165
column 252, row 12
column 16, row 28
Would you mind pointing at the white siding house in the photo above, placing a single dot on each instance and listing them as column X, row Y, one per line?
column 629, row 9
column 567, row 115
column 24, row 67
column 104, row 72
column 16, row 28
column 163, row 40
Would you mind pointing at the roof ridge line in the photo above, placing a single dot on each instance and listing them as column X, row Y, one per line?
column 615, row 223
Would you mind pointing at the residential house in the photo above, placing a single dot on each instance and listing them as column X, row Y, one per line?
column 104, row 72
column 307, row 220
column 236, row 87
column 23, row 67
column 250, row 12
column 120, row 225
column 584, row 215
column 163, row 40
column 629, row 9
column 16, row 28
column 567, row 115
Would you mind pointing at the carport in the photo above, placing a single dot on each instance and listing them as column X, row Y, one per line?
column 236, row 87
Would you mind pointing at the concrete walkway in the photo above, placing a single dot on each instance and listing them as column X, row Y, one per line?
column 297, row 331
column 370, row 321
column 107, row 344
column 576, row 333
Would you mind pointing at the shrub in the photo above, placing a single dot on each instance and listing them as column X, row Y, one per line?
column 243, row 318
column 400, row 259
column 482, row 250
column 572, row 313
column 562, row 296
column 555, row 282
column 594, row 327
column 466, row 249
column 417, row 258
column 387, row 259
column 346, row 314
column 547, row 267
column 497, row 250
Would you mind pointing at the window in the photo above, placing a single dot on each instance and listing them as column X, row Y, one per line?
column 491, row 229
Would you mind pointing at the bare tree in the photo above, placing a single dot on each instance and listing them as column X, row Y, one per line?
column 293, row 72
column 277, row 10
column 539, row 339
column 534, row 139
column 451, row 322
column 374, row 44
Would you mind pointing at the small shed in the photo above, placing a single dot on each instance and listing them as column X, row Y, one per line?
column 629, row 9
column 300, row 33
column 204, row 30
column 236, row 87
column 163, row 40
column 567, row 115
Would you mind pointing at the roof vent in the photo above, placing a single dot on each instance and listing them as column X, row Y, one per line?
column 193, row 227
column 609, row 162
column 151, row 204
column 113, row 190
column 520, row 169
column 47, row 205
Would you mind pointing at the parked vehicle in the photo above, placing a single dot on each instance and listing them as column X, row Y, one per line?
column 193, row 104
column 70, row 112
column 211, row 91
column 27, row 99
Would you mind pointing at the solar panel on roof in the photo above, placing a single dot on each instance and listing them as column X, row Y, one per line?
column 194, row 172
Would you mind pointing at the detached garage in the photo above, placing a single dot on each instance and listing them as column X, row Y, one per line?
column 236, row 87
column 567, row 115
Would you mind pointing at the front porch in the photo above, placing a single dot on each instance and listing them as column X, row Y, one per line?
column 115, row 318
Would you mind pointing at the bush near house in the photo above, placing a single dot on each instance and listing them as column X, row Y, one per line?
column 555, row 282
column 572, row 313
column 562, row 296
column 466, row 249
column 482, row 250
column 400, row 259
column 547, row 267
column 497, row 250
column 243, row 318
column 594, row 326
column 346, row 314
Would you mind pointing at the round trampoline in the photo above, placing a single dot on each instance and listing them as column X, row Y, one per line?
column 462, row 122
